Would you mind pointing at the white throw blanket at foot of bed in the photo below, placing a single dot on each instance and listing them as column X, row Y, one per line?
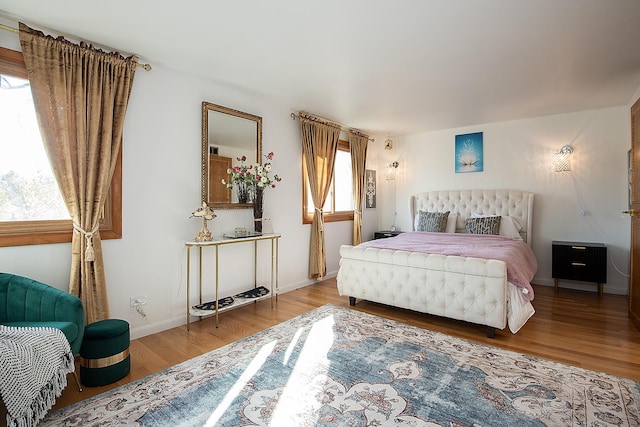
column 35, row 364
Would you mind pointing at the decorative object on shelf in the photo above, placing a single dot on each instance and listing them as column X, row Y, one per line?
column 241, row 180
column 262, row 180
column 207, row 214
column 243, row 235
column 211, row 305
column 258, row 292
column 242, row 191
column 258, row 199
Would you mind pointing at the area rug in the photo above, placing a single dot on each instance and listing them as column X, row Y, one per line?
column 336, row 366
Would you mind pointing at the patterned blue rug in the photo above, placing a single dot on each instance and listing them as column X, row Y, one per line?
column 336, row 366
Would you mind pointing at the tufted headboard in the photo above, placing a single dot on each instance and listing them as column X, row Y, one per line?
column 514, row 203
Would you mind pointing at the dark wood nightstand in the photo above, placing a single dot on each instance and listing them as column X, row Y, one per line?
column 385, row 233
column 585, row 262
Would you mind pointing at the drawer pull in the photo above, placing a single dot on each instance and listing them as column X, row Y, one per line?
column 578, row 264
column 579, row 247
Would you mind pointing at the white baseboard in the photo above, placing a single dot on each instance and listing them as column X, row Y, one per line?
column 577, row 286
column 152, row 328
column 139, row 331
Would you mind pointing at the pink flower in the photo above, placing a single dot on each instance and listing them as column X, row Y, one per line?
column 250, row 175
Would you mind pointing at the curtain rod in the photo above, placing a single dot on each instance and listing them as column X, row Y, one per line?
column 342, row 127
column 147, row 67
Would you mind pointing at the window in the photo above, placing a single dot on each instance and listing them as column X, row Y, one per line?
column 339, row 203
column 31, row 208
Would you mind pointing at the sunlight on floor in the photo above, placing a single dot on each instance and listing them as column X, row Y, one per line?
column 292, row 345
column 312, row 362
column 253, row 367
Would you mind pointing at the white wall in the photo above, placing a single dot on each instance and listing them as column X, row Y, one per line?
column 519, row 155
column 161, row 187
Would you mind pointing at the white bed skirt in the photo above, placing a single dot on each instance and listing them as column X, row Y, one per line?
column 470, row 289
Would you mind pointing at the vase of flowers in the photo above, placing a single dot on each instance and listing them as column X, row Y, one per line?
column 262, row 178
column 240, row 180
column 258, row 199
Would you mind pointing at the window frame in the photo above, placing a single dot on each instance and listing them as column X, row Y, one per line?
column 22, row 233
column 307, row 217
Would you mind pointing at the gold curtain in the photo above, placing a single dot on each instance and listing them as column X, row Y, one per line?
column 358, row 146
column 319, row 145
column 81, row 96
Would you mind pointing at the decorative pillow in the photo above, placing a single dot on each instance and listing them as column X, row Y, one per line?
column 432, row 221
column 509, row 226
column 451, row 223
column 482, row 225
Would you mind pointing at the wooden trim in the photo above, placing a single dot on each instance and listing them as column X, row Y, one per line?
column 634, row 281
column 12, row 62
column 22, row 233
column 307, row 218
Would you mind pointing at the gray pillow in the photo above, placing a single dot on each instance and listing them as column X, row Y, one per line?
column 482, row 225
column 432, row 221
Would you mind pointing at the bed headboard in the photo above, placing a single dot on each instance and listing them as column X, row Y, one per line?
column 514, row 203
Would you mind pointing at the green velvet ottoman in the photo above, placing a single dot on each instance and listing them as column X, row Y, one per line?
column 104, row 354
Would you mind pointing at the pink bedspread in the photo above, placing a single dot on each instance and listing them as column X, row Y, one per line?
column 520, row 260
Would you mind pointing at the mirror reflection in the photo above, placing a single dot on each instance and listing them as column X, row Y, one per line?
column 227, row 135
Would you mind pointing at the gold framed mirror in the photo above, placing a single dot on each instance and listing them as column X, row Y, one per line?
column 227, row 135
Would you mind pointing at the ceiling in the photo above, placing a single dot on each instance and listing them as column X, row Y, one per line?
column 382, row 66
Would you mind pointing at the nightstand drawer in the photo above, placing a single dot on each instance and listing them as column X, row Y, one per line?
column 579, row 261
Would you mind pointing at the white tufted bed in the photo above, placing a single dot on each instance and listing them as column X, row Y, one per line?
column 465, row 288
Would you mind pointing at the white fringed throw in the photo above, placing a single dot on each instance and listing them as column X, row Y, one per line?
column 35, row 364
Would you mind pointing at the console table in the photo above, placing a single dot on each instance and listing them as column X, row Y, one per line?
column 215, row 245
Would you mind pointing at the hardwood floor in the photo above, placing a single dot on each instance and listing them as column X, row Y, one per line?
column 571, row 327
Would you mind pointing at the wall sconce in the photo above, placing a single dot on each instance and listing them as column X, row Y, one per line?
column 563, row 159
column 388, row 143
column 391, row 171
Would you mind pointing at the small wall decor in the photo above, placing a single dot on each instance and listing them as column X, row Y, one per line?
column 370, row 188
column 468, row 154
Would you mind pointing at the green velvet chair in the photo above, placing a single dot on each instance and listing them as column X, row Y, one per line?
column 28, row 303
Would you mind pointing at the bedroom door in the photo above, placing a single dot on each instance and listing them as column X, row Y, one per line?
column 634, row 195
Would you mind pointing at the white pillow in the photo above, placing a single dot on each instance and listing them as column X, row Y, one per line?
column 509, row 226
column 451, row 222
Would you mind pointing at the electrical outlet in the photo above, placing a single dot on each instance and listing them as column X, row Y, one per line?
column 138, row 301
